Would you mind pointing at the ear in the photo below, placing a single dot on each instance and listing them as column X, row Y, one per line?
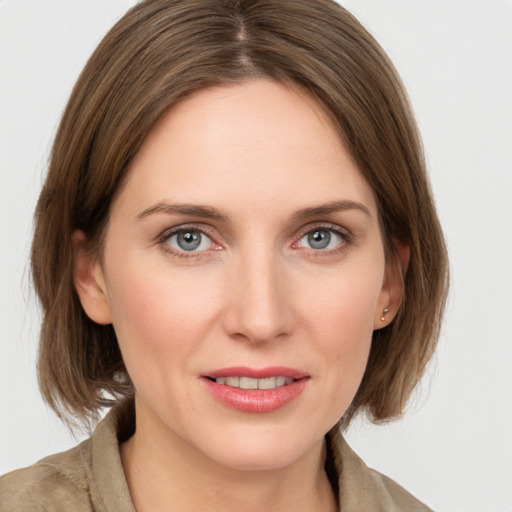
column 89, row 281
column 392, row 290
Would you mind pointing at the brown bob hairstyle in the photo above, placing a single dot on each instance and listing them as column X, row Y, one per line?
column 158, row 53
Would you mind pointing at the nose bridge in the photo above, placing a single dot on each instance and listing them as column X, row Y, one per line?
column 259, row 309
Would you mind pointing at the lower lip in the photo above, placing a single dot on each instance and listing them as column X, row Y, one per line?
column 256, row 400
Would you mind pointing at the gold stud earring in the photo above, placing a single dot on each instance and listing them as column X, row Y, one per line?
column 384, row 311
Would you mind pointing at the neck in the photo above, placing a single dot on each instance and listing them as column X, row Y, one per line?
column 165, row 473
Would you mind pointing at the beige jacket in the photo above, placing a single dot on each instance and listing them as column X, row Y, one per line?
column 90, row 478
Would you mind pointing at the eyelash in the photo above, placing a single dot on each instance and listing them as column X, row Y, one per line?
column 347, row 238
column 164, row 238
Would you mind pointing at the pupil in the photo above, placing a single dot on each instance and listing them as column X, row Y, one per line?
column 319, row 239
column 188, row 240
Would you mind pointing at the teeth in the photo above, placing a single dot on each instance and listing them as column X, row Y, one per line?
column 250, row 383
column 233, row 382
column 269, row 383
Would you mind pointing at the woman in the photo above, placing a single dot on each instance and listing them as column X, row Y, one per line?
column 236, row 248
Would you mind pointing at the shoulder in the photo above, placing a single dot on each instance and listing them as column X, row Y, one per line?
column 363, row 488
column 56, row 483
column 87, row 478
column 403, row 499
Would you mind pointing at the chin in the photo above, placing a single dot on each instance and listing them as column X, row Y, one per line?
column 262, row 449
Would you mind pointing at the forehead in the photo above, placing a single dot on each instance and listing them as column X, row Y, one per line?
column 259, row 139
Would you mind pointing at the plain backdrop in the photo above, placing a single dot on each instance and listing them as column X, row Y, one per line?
column 453, row 449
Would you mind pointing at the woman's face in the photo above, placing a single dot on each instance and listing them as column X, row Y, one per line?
column 243, row 251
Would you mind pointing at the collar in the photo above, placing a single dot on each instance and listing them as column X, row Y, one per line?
column 359, row 487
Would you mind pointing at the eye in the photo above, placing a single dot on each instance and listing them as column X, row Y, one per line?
column 189, row 240
column 322, row 239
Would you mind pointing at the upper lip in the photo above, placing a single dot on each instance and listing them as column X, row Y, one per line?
column 257, row 373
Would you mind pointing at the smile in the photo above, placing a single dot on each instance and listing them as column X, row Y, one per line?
column 252, row 390
column 250, row 383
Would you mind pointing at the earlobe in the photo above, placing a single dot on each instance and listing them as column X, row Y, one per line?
column 393, row 287
column 89, row 281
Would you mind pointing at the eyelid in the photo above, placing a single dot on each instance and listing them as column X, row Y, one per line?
column 347, row 236
column 205, row 230
column 329, row 226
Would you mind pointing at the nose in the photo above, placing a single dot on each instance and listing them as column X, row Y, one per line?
column 258, row 305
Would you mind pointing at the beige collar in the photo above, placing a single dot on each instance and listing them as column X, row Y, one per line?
column 360, row 488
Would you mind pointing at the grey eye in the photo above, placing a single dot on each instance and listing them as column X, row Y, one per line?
column 321, row 239
column 189, row 240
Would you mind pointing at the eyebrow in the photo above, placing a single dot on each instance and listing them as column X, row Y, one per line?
column 209, row 212
column 328, row 208
column 183, row 209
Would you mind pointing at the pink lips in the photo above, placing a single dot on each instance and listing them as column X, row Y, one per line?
column 256, row 400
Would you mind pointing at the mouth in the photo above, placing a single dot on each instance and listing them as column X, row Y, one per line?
column 251, row 383
column 256, row 390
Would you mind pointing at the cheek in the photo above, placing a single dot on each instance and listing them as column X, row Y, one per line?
column 340, row 318
column 157, row 313
column 344, row 334
column 343, row 306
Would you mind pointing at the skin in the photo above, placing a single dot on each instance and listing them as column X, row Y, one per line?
column 255, row 293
